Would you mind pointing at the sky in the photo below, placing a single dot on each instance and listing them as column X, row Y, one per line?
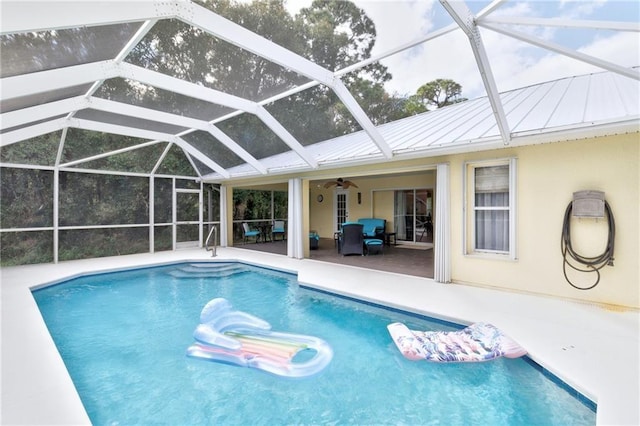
column 513, row 63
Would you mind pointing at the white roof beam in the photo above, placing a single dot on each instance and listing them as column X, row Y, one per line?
column 110, row 153
column 35, row 82
column 146, row 134
column 237, row 35
column 489, row 8
column 360, row 116
column 247, row 40
column 21, row 16
column 9, row 138
column 42, row 111
column 173, row 84
column 564, row 23
column 145, row 113
column 210, row 95
column 284, row 134
column 627, row 72
column 466, row 21
column 131, row 44
column 58, row 78
column 177, row 120
column 200, row 156
column 237, row 149
column 115, row 129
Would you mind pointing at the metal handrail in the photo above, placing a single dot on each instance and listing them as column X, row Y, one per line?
column 214, row 231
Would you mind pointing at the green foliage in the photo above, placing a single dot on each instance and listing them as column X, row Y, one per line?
column 251, row 205
column 175, row 163
column 41, row 150
column 23, row 248
column 439, row 93
column 162, row 238
column 26, row 198
column 163, row 200
column 88, row 199
column 90, row 243
column 141, row 160
column 80, row 144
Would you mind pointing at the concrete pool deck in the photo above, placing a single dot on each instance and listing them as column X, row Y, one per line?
column 593, row 349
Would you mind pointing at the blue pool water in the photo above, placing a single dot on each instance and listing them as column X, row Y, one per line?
column 123, row 338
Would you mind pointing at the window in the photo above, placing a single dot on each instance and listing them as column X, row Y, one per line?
column 491, row 218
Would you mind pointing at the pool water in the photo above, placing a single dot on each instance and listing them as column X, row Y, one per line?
column 123, row 338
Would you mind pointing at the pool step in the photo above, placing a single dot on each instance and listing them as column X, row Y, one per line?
column 207, row 270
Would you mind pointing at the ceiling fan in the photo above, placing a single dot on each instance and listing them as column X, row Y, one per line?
column 340, row 183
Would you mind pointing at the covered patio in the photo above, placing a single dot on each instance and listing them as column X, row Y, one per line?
column 409, row 260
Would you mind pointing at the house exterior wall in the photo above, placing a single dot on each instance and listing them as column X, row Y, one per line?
column 547, row 176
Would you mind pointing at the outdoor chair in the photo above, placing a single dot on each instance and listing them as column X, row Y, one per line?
column 373, row 246
column 248, row 232
column 314, row 240
column 278, row 228
column 352, row 239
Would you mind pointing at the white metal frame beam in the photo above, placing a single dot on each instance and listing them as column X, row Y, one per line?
column 146, row 134
column 31, row 16
column 25, row 133
column 24, row 85
column 71, row 105
column 16, row 18
column 627, row 72
column 247, row 40
column 467, row 22
column 45, row 81
column 559, row 22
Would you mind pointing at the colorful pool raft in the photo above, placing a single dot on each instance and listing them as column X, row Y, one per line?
column 478, row 342
column 238, row 338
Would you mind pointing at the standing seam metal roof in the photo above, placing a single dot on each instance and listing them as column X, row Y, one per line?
column 579, row 102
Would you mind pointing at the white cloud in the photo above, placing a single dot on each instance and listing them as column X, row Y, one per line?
column 513, row 63
column 398, row 22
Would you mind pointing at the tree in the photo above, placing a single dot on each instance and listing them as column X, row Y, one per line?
column 436, row 94
column 340, row 34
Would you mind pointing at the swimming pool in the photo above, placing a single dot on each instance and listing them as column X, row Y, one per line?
column 123, row 338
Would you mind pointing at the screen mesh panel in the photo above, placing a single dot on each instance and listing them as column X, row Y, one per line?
column 142, row 95
column 124, row 120
column 31, row 52
column 7, row 105
column 27, row 198
column 88, row 199
column 41, row 150
column 182, row 51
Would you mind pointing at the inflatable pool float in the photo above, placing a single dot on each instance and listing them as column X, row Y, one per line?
column 478, row 342
column 238, row 338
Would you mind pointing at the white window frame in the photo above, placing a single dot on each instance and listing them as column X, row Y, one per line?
column 469, row 234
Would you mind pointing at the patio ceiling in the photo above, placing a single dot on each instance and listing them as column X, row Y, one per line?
column 44, row 90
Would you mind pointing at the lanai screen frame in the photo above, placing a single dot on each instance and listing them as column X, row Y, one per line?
column 42, row 118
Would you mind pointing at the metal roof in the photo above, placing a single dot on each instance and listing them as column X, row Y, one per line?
column 588, row 105
column 46, row 90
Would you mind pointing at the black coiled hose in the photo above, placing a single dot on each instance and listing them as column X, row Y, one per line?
column 591, row 264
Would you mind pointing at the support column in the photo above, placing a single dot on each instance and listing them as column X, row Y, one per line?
column 224, row 217
column 295, row 247
column 442, row 242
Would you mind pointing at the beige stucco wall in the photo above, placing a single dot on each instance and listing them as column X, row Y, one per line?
column 547, row 177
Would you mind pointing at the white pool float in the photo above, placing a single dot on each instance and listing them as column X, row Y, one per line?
column 238, row 338
column 478, row 342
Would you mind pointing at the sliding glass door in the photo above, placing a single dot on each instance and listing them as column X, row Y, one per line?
column 413, row 215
